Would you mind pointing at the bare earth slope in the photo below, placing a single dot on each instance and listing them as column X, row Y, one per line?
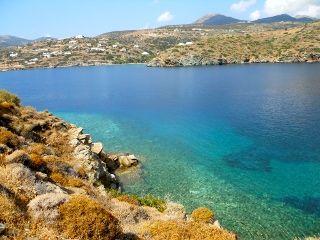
column 296, row 44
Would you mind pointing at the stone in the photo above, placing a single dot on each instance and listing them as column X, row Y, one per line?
column 127, row 161
column 2, row 228
column 18, row 156
column 42, row 176
column 216, row 224
column 97, row 148
column 4, row 148
column 45, row 207
column 74, row 142
column 175, row 211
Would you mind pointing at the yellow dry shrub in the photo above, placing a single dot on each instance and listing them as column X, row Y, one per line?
column 37, row 148
column 202, row 215
column 85, row 218
column 11, row 216
column 8, row 97
column 128, row 199
column 37, row 161
column 8, row 138
column 172, row 230
column 65, row 180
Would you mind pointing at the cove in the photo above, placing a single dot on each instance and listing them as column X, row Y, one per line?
column 241, row 139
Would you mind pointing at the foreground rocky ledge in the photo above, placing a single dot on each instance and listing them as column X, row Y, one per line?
column 56, row 183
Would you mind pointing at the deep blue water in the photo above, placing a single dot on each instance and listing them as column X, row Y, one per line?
column 243, row 140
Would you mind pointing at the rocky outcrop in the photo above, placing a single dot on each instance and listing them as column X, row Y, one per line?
column 192, row 60
column 124, row 161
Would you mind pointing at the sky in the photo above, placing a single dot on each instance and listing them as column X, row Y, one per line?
column 65, row 18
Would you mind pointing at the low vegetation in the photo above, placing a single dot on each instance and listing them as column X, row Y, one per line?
column 147, row 200
column 6, row 97
column 202, row 215
column 84, row 218
column 186, row 230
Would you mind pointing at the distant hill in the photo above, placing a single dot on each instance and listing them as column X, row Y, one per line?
column 283, row 18
column 44, row 39
column 216, row 19
column 7, row 40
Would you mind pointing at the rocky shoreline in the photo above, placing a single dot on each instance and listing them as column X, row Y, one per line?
column 57, row 183
column 187, row 61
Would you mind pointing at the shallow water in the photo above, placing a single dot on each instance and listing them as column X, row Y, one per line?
column 243, row 140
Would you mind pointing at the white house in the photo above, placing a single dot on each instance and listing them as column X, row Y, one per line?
column 123, row 50
column 79, row 37
column 97, row 49
column 145, row 53
column 115, row 46
column 67, row 53
column 13, row 55
column 181, row 44
column 189, row 43
column 136, row 46
column 46, row 55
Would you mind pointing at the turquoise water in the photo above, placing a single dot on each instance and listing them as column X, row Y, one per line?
column 242, row 140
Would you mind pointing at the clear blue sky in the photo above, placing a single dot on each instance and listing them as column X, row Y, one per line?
column 63, row 18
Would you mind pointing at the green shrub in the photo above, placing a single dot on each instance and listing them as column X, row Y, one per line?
column 5, row 96
column 151, row 201
column 147, row 200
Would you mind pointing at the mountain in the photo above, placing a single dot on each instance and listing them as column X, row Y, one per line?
column 216, row 19
column 7, row 40
column 41, row 39
column 283, row 18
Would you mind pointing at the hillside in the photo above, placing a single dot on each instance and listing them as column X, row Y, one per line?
column 216, row 19
column 182, row 45
column 56, row 183
column 284, row 18
column 7, row 40
column 297, row 44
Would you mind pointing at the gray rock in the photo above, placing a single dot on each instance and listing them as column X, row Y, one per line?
column 45, row 207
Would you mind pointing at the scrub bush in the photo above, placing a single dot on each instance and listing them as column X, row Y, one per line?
column 7, row 97
column 84, row 218
column 202, row 215
column 186, row 230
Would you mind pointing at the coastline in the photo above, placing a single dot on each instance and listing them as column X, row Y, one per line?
column 164, row 66
column 65, row 175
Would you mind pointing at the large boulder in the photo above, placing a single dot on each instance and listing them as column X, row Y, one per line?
column 97, row 148
column 45, row 207
column 124, row 160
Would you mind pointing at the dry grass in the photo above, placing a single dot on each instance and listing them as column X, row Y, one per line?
column 84, row 218
column 202, row 215
column 8, row 138
column 128, row 199
column 11, row 216
column 172, row 230
column 66, row 181
column 7, row 97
